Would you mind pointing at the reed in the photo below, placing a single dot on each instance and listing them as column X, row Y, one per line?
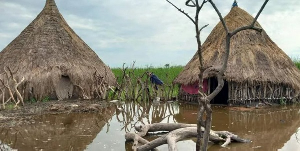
column 134, row 83
column 297, row 63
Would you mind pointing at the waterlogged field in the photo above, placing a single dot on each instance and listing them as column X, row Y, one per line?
column 269, row 129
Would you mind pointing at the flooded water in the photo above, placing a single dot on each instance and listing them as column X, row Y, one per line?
column 269, row 129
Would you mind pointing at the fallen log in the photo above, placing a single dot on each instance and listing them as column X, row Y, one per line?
column 177, row 132
column 144, row 129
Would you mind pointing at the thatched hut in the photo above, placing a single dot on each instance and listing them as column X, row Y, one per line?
column 258, row 70
column 54, row 60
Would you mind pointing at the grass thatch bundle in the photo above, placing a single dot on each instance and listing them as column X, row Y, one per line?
column 254, row 58
column 54, row 60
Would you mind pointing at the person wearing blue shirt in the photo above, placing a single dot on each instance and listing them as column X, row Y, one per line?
column 234, row 3
column 154, row 79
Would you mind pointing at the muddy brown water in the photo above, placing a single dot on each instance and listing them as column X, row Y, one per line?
column 269, row 129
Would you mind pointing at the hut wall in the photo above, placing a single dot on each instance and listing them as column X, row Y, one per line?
column 251, row 94
column 183, row 96
column 256, row 92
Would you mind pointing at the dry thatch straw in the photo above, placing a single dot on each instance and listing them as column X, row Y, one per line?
column 253, row 57
column 54, row 60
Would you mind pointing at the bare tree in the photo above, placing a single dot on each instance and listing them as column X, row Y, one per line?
column 179, row 131
column 204, row 100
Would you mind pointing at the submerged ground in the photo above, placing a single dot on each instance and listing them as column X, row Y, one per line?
column 85, row 128
column 15, row 116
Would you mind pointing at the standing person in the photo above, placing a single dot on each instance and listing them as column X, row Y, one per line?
column 234, row 4
column 155, row 80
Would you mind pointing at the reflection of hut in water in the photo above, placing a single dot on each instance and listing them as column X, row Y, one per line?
column 188, row 114
column 57, row 132
column 258, row 70
column 54, row 60
column 269, row 128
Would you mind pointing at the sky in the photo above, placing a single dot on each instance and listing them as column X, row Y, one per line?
column 149, row 32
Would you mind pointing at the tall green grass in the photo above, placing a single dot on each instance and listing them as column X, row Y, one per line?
column 297, row 63
column 167, row 74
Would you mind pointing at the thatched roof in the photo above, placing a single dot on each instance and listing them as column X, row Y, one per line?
column 253, row 55
column 48, row 49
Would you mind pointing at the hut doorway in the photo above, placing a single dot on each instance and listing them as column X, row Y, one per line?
column 64, row 88
column 222, row 97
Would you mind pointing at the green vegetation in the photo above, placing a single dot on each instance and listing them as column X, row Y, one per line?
column 9, row 106
column 282, row 101
column 167, row 74
column 32, row 100
column 131, row 90
column 297, row 63
column 46, row 99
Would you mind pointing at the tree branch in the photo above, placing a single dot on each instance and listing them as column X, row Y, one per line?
column 200, row 7
column 177, row 132
column 187, row 3
column 245, row 28
column 220, row 16
column 218, row 89
column 259, row 12
column 251, row 26
column 186, row 14
column 203, row 28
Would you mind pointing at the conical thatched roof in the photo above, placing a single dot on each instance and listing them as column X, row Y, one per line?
column 253, row 55
column 48, row 52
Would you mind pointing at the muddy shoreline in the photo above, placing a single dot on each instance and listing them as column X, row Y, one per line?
column 28, row 112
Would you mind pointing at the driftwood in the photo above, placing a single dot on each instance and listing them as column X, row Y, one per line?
column 12, row 88
column 176, row 132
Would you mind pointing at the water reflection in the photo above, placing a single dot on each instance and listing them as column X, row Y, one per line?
column 130, row 114
column 57, row 132
column 269, row 129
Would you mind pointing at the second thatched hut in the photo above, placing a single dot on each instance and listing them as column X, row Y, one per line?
column 258, row 70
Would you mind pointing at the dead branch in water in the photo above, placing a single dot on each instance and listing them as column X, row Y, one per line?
column 176, row 132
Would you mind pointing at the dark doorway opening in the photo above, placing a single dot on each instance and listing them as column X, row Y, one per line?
column 64, row 88
column 222, row 97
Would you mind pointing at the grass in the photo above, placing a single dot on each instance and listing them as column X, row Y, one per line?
column 9, row 106
column 46, row 99
column 282, row 101
column 166, row 74
column 297, row 63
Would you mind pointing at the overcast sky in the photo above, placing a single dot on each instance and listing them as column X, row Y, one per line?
column 150, row 32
